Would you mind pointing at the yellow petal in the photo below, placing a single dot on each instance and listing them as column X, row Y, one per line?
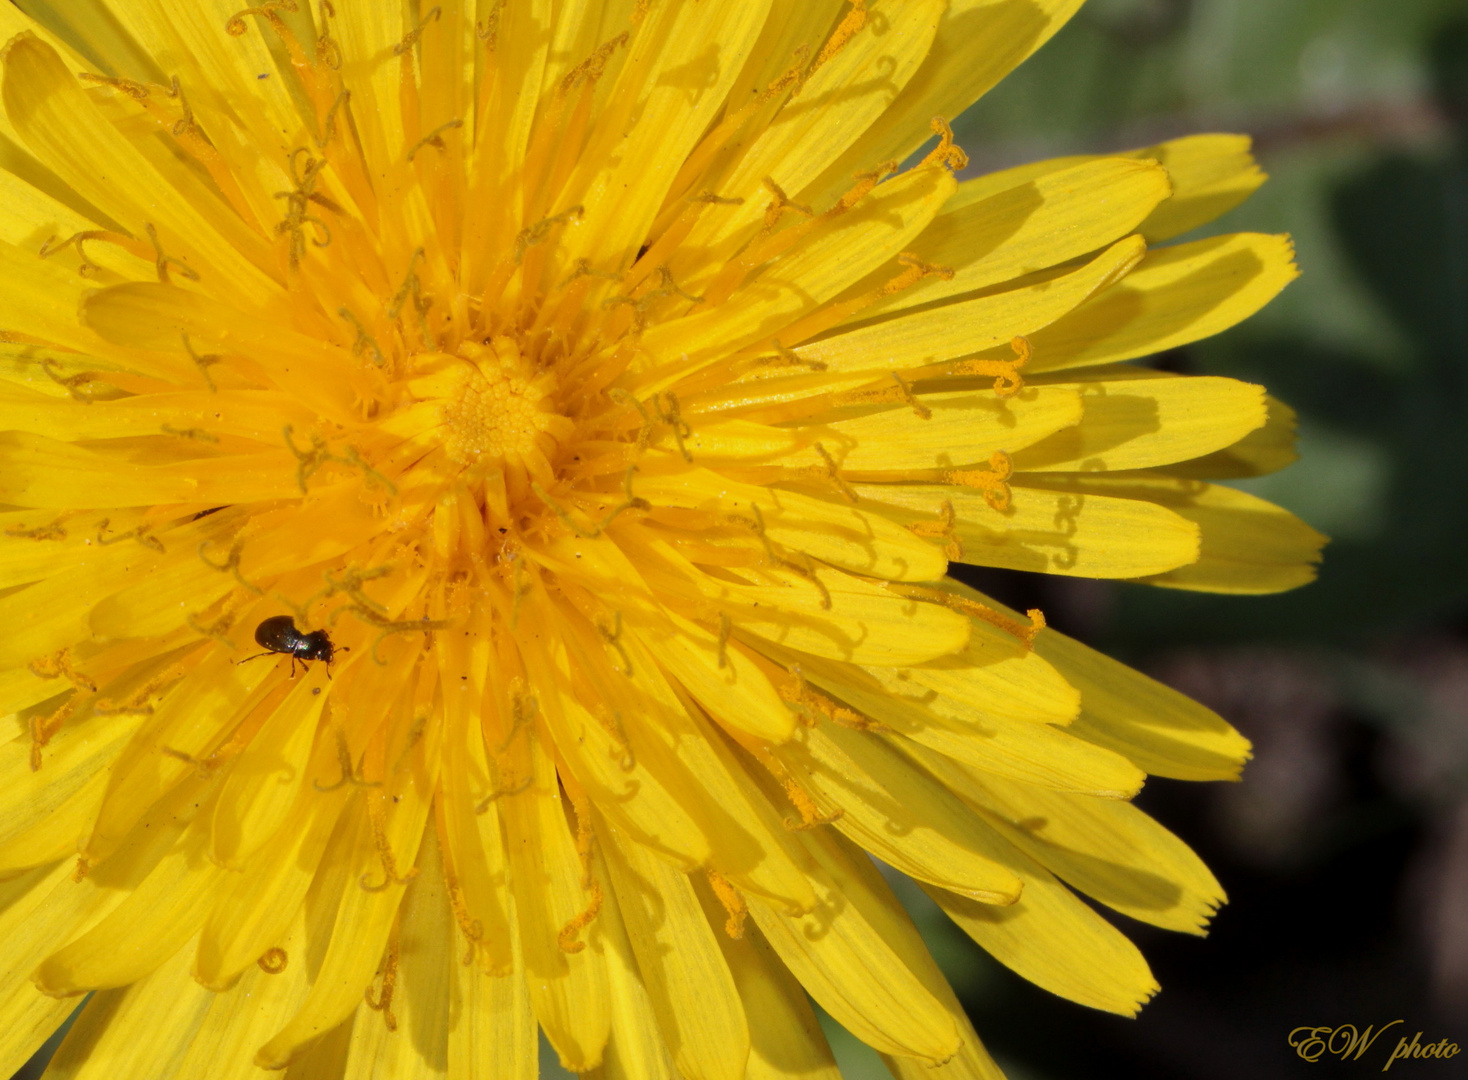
column 967, row 728
column 1056, row 941
column 331, row 523
column 841, row 956
column 30, row 216
column 144, row 40
column 568, row 990
column 725, row 682
column 356, row 933
column 1049, row 936
column 996, row 676
column 262, row 786
column 240, row 1020
column 1032, row 753
column 833, row 532
column 823, row 611
column 1211, row 174
column 1091, row 535
column 508, row 91
column 1176, row 295
column 163, row 912
column 1031, row 227
column 688, row 984
column 72, row 757
column 53, row 834
column 251, row 414
column 373, row 72
column 607, row 761
column 1264, row 450
column 63, row 908
column 20, row 688
column 237, row 110
column 27, row 1017
column 786, row 1043
column 759, row 390
column 963, row 428
column 825, row 115
column 180, row 588
column 1249, row 546
column 14, row 21
column 787, row 28
column 145, row 315
column 93, row 32
column 446, row 64
column 673, row 106
column 972, row 1062
column 40, row 298
column 28, row 1023
column 54, row 611
column 255, row 914
column 47, row 906
column 896, row 813
column 1107, row 849
column 495, row 1030
column 972, row 325
column 134, row 1033
column 863, row 883
column 1137, row 423
column 191, row 720
column 750, row 845
column 68, row 134
column 977, row 44
column 638, row 1049
column 728, row 441
column 1163, row 731
column 364, row 918
column 469, row 826
column 863, row 624
column 838, row 251
column 427, row 946
column 603, row 568
column 43, row 472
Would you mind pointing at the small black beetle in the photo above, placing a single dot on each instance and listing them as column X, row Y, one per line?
column 278, row 634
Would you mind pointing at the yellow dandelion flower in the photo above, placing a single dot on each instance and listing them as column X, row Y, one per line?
column 580, row 406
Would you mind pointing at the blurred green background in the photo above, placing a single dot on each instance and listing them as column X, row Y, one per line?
column 1345, row 849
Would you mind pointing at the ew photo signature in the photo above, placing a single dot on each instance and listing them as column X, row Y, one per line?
column 1349, row 1043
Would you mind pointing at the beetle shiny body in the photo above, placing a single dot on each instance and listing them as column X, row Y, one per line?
column 278, row 634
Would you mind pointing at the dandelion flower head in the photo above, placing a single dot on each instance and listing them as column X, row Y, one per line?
column 582, row 402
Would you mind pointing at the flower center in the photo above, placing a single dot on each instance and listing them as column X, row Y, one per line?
column 498, row 407
column 491, row 407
